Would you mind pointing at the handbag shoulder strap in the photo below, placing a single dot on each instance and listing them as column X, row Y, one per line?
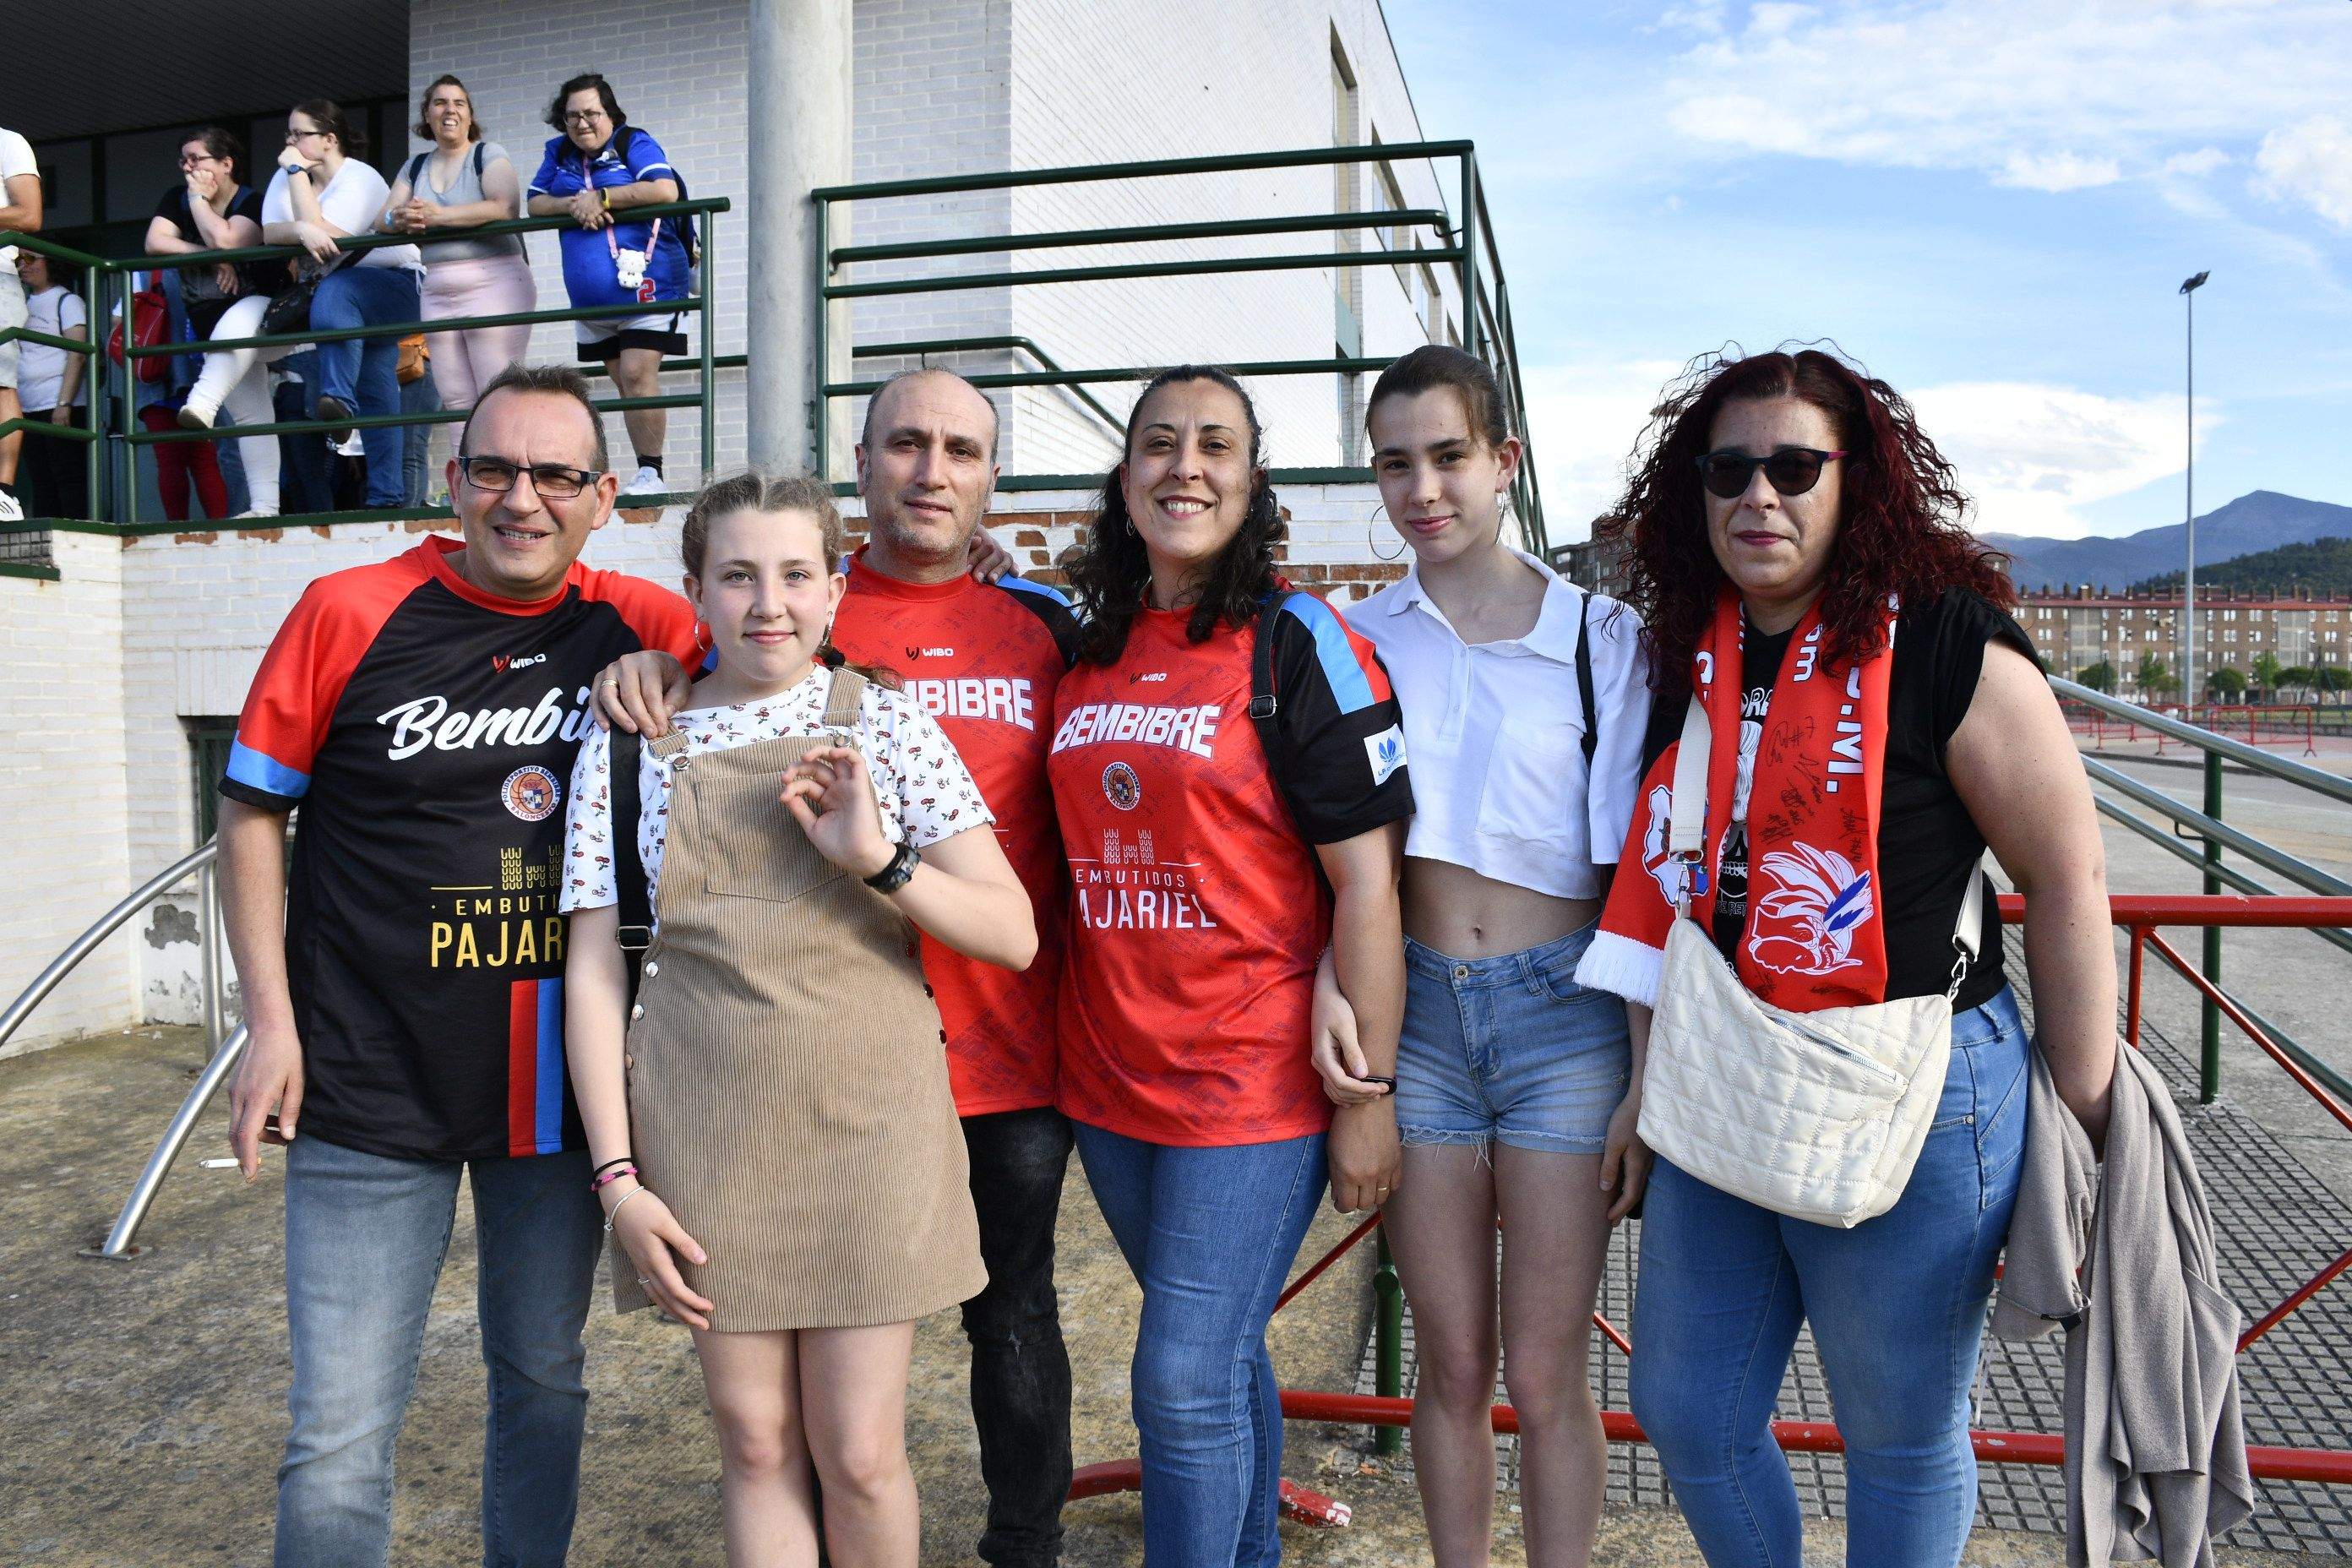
column 635, row 912
column 1584, row 679
column 1687, row 835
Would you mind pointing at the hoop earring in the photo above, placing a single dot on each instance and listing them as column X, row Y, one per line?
column 1371, row 529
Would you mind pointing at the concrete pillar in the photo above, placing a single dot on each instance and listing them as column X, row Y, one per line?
column 799, row 115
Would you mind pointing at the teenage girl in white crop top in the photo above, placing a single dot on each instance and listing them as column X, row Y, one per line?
column 1517, row 1090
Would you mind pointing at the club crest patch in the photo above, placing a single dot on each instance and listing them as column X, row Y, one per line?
column 1121, row 788
column 532, row 793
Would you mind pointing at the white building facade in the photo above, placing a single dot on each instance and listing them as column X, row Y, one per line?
column 122, row 670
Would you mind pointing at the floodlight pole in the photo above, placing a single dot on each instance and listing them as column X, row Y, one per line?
column 2188, row 507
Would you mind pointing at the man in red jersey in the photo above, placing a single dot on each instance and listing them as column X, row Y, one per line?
column 405, row 993
column 982, row 658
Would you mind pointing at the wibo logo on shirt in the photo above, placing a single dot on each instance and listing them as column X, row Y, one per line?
column 504, row 662
column 1386, row 751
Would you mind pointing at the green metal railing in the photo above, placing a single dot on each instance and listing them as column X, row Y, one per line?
column 2175, row 824
column 108, row 285
column 1465, row 243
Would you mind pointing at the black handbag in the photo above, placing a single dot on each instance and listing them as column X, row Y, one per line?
column 289, row 310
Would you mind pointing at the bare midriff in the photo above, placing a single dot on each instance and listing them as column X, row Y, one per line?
column 1462, row 914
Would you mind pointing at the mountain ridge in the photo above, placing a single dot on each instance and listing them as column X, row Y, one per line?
column 2255, row 521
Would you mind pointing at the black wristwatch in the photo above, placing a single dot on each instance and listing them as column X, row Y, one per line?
column 898, row 872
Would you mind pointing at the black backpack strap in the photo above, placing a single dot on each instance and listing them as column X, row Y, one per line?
column 1265, row 702
column 637, row 912
column 1584, row 682
column 479, row 148
column 416, row 168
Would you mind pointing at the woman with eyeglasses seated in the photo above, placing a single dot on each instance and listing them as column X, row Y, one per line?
column 209, row 209
column 1877, row 722
column 596, row 167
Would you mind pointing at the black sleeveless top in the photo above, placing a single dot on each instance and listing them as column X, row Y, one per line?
column 1928, row 843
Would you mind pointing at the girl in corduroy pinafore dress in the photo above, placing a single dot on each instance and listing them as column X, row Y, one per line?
column 776, row 1145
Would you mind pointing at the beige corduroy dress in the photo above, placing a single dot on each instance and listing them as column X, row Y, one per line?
column 787, row 1073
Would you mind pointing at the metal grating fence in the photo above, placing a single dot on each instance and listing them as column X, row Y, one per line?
column 2277, row 1225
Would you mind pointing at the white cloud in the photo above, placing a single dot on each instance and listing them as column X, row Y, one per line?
column 2312, row 163
column 2057, row 172
column 2194, row 166
column 2030, row 454
column 2026, row 93
column 1585, row 419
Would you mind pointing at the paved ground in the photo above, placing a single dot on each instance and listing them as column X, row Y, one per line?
column 145, row 1400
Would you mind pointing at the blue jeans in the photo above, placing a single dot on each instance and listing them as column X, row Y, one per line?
column 1509, row 1049
column 302, row 459
column 366, row 1237
column 1209, row 1235
column 419, row 396
column 366, row 371
column 1897, row 1306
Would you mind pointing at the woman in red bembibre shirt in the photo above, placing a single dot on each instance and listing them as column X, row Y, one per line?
column 1206, row 877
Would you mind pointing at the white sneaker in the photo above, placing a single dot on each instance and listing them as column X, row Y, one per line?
column 191, row 417
column 646, row 483
column 11, row 510
column 256, row 511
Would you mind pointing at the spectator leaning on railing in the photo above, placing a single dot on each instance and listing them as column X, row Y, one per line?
column 464, row 182
column 597, row 166
column 210, row 209
column 50, row 386
column 323, row 193
column 20, row 211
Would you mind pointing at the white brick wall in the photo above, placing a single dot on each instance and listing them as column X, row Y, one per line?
column 941, row 86
column 63, row 778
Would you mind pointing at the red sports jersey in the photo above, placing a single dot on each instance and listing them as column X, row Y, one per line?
column 426, row 731
column 1198, row 908
column 983, row 661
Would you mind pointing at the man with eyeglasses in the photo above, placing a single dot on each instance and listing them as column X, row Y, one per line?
column 404, row 981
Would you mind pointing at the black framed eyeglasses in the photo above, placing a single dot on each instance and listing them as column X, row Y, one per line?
column 553, row 481
column 1792, row 471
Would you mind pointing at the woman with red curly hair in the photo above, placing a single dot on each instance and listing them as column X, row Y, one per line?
column 1876, row 722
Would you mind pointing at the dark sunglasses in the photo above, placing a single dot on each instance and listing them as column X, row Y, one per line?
column 551, row 481
column 1792, row 471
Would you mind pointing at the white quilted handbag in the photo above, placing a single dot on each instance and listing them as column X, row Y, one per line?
column 1819, row 1116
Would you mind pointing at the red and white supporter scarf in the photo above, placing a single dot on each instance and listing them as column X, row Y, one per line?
column 1815, row 936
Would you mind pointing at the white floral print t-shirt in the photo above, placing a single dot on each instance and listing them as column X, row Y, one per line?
column 922, row 786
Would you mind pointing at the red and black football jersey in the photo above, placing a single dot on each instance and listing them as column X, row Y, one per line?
column 983, row 660
column 427, row 732
column 1198, row 908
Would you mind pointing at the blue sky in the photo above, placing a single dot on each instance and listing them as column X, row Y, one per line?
column 1990, row 203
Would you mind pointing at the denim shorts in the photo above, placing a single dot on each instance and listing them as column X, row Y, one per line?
column 1509, row 1048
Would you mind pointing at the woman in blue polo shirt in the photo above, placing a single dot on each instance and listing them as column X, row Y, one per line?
column 596, row 167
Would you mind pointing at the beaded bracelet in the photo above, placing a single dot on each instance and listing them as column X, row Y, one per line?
column 609, row 1177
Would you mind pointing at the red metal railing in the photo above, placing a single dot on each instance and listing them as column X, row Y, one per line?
column 2139, row 916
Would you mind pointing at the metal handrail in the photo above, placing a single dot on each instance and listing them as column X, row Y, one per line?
column 105, row 926
column 1470, row 250
column 106, row 288
column 377, row 241
column 121, row 1235
column 924, row 348
column 2332, row 786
